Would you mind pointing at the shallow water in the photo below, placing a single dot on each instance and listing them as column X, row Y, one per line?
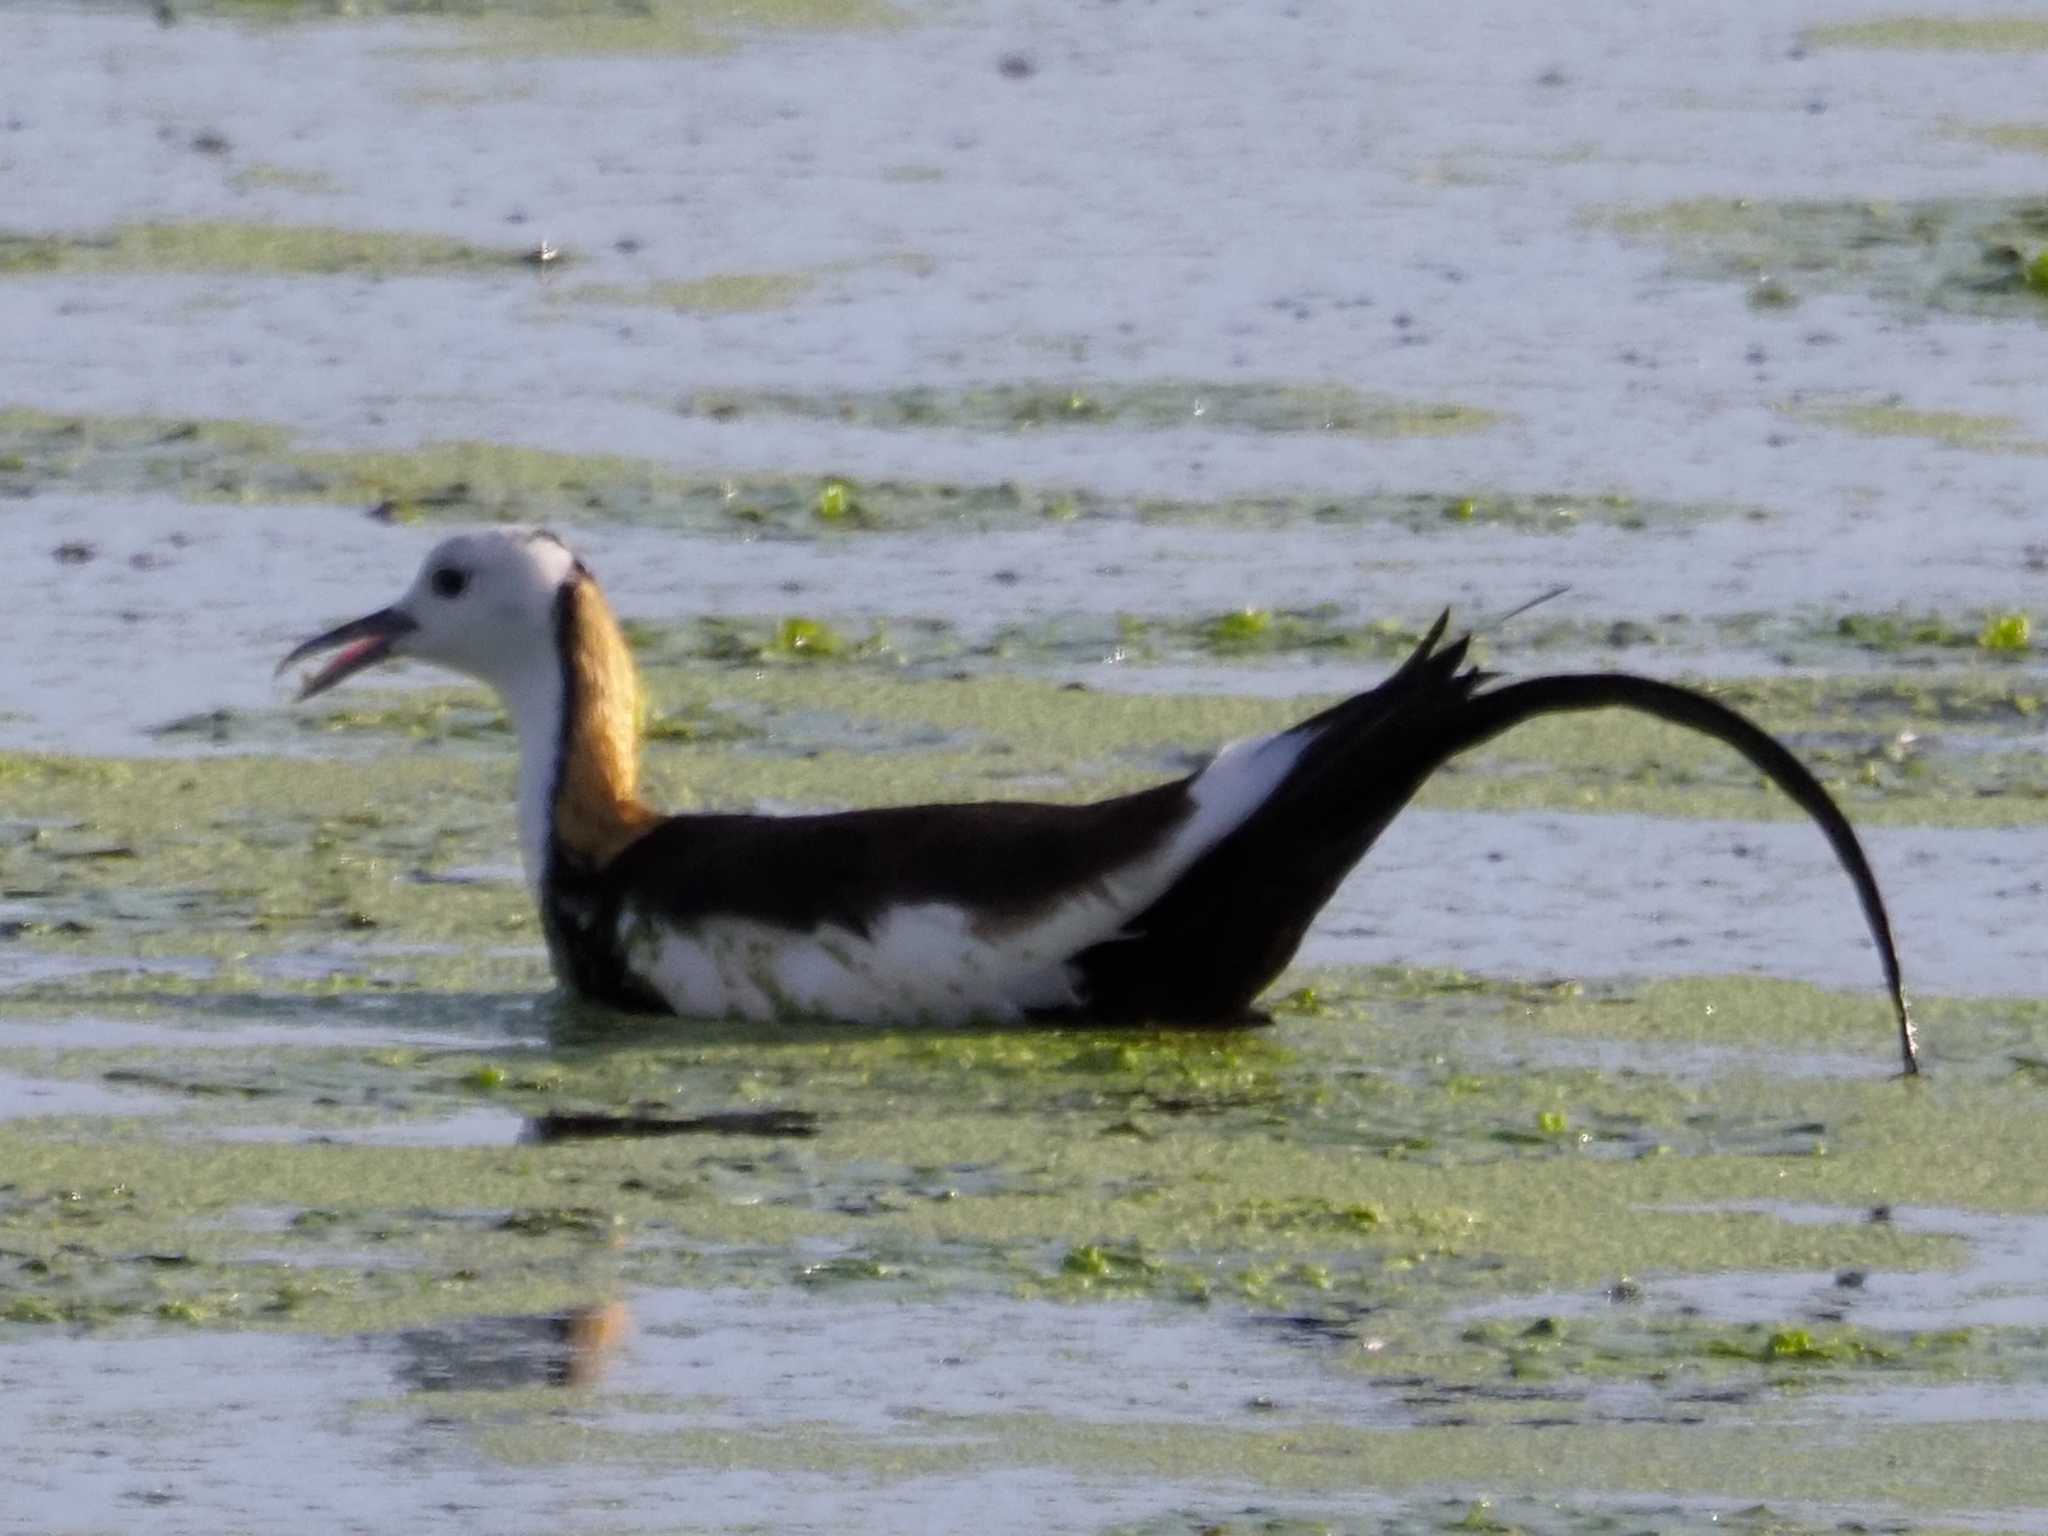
column 1024, row 346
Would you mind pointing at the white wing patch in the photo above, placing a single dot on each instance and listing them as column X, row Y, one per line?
column 934, row 961
column 922, row 962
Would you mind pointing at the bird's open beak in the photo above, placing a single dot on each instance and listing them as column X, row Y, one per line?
column 368, row 640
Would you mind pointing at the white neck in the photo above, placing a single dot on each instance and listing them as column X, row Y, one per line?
column 535, row 702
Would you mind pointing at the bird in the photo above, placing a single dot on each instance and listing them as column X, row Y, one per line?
column 1174, row 905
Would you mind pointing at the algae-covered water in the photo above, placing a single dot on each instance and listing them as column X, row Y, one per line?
column 969, row 400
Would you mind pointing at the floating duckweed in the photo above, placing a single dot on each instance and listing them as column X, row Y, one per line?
column 1150, row 405
column 474, row 481
column 2037, row 273
column 1799, row 1345
column 2006, row 632
column 574, row 1220
column 847, row 1266
column 485, row 1079
column 1306, row 1001
column 1771, row 293
column 807, row 638
column 1897, row 631
column 1961, row 34
column 722, row 293
column 202, row 245
column 1463, row 510
column 1313, row 1215
column 1032, row 409
column 835, row 502
column 1094, row 1261
column 1244, row 627
column 1794, row 1344
column 1553, row 1122
column 1948, row 253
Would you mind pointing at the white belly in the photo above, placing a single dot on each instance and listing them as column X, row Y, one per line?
column 923, row 963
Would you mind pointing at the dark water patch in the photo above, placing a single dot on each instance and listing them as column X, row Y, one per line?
column 1969, row 256
column 1147, row 407
column 588, row 1126
column 499, row 1354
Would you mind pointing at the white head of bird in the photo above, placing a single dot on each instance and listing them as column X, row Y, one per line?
column 515, row 609
column 484, row 604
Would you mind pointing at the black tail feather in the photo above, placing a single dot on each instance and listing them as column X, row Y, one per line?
column 1230, row 924
column 1488, row 714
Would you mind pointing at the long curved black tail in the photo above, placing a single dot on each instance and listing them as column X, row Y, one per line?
column 1486, row 715
column 1230, row 924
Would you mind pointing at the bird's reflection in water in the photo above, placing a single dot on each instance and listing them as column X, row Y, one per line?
column 497, row 1354
column 573, row 1348
column 605, row 1126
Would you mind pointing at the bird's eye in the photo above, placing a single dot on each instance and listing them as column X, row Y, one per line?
column 449, row 582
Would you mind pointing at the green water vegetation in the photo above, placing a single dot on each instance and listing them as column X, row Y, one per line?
column 581, row 27
column 1991, row 32
column 722, row 293
column 1687, row 1479
column 1954, row 429
column 224, row 246
column 1996, row 634
column 483, row 482
column 2032, row 138
column 1361, row 1179
column 1553, row 1512
column 1960, row 254
column 925, row 646
column 1320, row 634
column 1378, row 1152
column 2006, row 632
column 1148, row 406
column 261, row 176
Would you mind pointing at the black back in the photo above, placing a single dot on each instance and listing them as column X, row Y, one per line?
column 1006, row 861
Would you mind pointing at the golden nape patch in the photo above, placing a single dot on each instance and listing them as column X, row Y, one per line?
column 598, row 810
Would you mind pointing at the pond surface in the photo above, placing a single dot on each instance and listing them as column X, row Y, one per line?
column 1083, row 386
